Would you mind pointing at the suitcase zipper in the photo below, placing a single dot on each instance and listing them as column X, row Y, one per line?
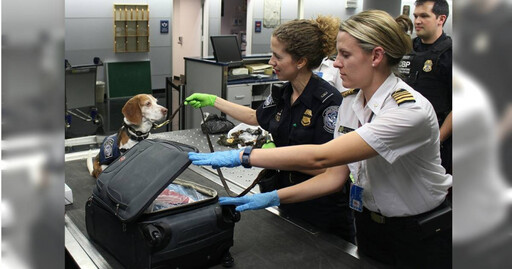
column 104, row 205
column 118, row 203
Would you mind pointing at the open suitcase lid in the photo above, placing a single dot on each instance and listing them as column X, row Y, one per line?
column 131, row 183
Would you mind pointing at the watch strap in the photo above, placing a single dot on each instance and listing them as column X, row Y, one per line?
column 245, row 157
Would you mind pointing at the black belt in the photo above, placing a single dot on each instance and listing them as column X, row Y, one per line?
column 293, row 177
column 443, row 208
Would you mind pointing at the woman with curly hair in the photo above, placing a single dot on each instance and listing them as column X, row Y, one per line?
column 303, row 111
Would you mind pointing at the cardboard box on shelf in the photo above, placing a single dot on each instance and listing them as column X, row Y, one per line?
column 259, row 68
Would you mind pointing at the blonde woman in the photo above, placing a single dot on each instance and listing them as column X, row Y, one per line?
column 388, row 139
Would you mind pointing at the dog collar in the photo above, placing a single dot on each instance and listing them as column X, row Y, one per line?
column 135, row 135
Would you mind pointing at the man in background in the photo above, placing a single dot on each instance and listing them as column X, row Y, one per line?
column 428, row 69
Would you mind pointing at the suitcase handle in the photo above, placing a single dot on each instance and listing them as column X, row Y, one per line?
column 226, row 216
column 229, row 214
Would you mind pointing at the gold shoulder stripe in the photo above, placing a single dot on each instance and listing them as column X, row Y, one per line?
column 403, row 96
column 349, row 92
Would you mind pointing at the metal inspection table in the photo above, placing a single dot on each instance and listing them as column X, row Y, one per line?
column 262, row 239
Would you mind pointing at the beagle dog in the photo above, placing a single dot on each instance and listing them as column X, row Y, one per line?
column 141, row 113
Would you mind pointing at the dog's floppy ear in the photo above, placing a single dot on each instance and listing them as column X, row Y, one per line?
column 131, row 110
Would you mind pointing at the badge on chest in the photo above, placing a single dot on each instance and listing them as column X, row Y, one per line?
column 278, row 116
column 306, row 117
column 427, row 66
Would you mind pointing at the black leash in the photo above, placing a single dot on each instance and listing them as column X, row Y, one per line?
column 219, row 172
column 156, row 126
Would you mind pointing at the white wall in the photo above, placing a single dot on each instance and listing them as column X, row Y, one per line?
column 289, row 11
column 448, row 28
column 390, row 6
column 233, row 9
column 187, row 24
column 214, row 23
column 261, row 41
column 89, row 34
column 313, row 8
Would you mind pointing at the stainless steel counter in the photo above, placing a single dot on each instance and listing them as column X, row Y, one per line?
column 263, row 238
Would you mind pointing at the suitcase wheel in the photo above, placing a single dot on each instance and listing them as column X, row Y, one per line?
column 227, row 260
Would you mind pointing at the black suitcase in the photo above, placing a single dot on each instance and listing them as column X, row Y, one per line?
column 195, row 235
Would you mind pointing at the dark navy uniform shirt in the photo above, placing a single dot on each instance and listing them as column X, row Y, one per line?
column 430, row 72
column 310, row 120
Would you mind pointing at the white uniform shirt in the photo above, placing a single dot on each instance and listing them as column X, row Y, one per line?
column 406, row 178
column 329, row 73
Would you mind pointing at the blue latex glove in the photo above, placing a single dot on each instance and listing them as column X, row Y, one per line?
column 230, row 158
column 252, row 202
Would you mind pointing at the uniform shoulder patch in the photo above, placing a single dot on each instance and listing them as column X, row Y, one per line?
column 330, row 115
column 109, row 150
column 269, row 102
column 403, row 96
column 349, row 92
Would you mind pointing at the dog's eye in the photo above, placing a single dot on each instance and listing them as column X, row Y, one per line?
column 148, row 104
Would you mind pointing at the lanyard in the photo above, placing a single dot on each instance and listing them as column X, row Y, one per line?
column 360, row 166
column 369, row 120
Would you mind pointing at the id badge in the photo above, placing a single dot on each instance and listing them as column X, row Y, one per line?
column 356, row 197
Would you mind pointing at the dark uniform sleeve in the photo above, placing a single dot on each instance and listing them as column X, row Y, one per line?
column 327, row 117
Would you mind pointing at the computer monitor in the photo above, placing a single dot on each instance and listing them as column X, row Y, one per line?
column 226, row 49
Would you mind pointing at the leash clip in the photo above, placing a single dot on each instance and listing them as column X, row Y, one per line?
column 156, row 126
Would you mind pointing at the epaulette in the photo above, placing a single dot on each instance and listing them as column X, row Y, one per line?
column 403, row 96
column 349, row 92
